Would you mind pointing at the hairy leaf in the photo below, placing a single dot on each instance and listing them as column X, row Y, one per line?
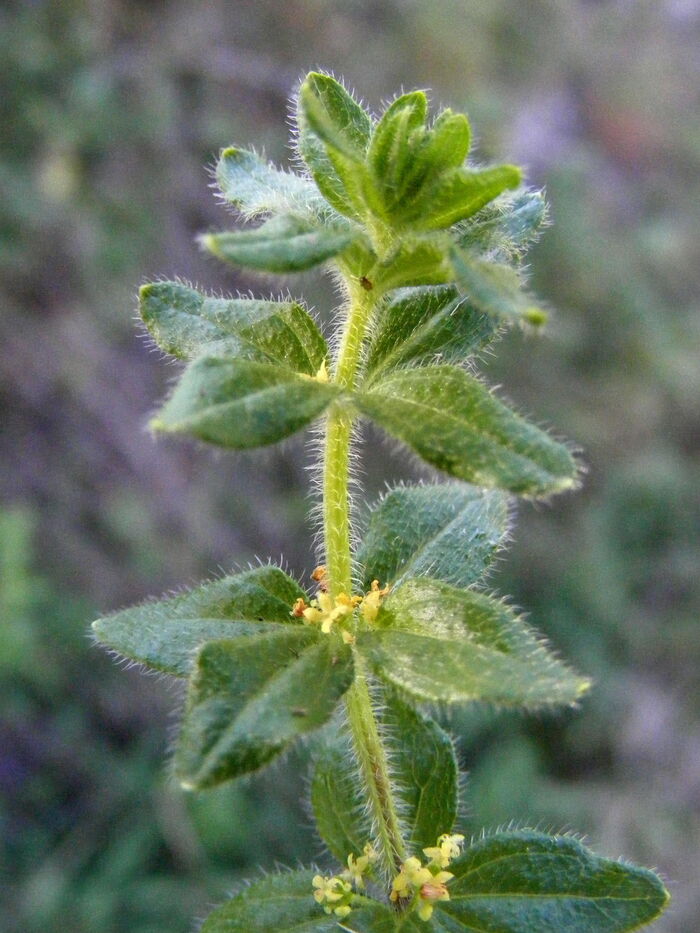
column 393, row 144
column 186, row 323
column 451, row 420
column 424, row 771
column 241, row 404
column 448, row 532
column 285, row 904
column 166, row 633
column 256, row 187
column 494, row 288
column 425, row 325
column 458, row 194
column 448, row 645
column 285, row 243
column 250, row 697
column 508, row 228
column 333, row 135
column 526, row 881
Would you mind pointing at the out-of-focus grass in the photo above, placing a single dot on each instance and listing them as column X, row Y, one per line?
column 110, row 110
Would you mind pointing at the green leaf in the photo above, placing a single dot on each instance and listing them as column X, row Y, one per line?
column 285, row 904
column 507, row 229
column 458, row 194
column 333, row 135
column 392, row 146
column 526, row 881
column 448, row 645
column 415, row 261
column 241, row 404
column 449, row 532
column 249, row 697
column 424, row 772
column 187, row 323
column 256, row 187
column 445, row 146
column 454, row 423
column 423, row 325
column 494, row 288
column 283, row 244
column 165, row 634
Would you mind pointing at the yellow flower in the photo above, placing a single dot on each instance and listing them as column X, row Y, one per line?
column 448, row 848
column 372, row 601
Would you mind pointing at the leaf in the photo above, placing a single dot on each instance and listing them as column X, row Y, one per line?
column 448, row 645
column 507, row 229
column 415, row 261
column 494, row 288
column 424, row 325
column 454, row 423
column 526, row 881
column 241, row 404
column 283, row 244
column 448, row 532
column 165, row 634
column 392, row 146
column 333, row 135
column 458, row 194
column 424, row 772
column 250, row 697
column 187, row 323
column 443, row 147
column 255, row 187
column 285, row 903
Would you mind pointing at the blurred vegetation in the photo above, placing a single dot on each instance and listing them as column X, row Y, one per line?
column 110, row 110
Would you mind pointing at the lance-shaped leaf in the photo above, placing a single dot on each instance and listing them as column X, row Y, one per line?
column 425, row 325
column 285, row 904
column 249, row 697
column 454, row 423
column 254, row 186
column 333, row 135
column 449, row 532
column 393, row 144
column 241, row 404
column 494, row 288
column 186, row 323
column 507, row 229
column 165, row 634
column 457, row 195
column 445, row 146
column 448, row 645
column 424, row 774
column 286, row 243
column 526, row 881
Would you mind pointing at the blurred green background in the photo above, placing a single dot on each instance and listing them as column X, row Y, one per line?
column 110, row 112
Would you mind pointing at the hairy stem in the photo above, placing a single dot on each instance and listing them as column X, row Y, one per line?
column 370, row 751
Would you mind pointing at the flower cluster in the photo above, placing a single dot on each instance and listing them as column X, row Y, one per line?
column 420, row 886
column 335, row 894
column 327, row 611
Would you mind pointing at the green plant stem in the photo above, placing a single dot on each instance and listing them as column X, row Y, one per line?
column 370, row 751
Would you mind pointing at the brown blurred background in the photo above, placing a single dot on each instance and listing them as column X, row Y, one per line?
column 110, row 112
